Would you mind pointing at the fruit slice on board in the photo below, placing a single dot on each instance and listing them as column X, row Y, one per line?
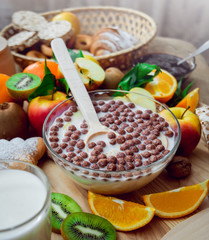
column 87, row 226
column 62, row 205
column 124, row 215
column 163, row 86
column 21, row 85
column 178, row 202
column 136, row 96
column 190, row 100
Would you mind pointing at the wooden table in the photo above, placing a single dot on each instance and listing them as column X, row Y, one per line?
column 157, row 228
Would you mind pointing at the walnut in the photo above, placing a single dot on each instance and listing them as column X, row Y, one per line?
column 179, row 167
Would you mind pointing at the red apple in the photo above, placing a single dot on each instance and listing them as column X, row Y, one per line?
column 39, row 108
column 190, row 128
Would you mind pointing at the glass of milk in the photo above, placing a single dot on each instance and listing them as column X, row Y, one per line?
column 25, row 200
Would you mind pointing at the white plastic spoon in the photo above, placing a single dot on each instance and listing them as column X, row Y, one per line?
column 201, row 49
column 78, row 89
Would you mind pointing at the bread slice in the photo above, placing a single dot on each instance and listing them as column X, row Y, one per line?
column 22, row 40
column 57, row 29
column 27, row 20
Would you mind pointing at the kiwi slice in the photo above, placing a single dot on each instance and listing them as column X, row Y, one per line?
column 61, row 206
column 21, row 85
column 87, row 226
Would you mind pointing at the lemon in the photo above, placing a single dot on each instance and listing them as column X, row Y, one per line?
column 70, row 17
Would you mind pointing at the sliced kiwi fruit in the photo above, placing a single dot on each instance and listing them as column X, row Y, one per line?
column 21, row 85
column 87, row 226
column 61, row 206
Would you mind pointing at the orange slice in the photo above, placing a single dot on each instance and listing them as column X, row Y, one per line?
column 178, row 202
column 191, row 99
column 124, row 215
column 162, row 87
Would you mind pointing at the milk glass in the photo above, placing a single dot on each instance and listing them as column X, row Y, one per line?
column 25, row 201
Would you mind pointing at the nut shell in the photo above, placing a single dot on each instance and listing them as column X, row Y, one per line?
column 180, row 167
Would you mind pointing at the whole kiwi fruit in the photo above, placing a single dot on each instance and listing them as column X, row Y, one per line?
column 113, row 76
column 13, row 121
column 87, row 226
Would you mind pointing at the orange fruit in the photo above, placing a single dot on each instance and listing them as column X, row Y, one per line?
column 124, row 215
column 178, row 202
column 38, row 68
column 4, row 94
column 191, row 99
column 163, row 86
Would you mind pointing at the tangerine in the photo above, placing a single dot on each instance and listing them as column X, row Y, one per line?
column 38, row 68
column 4, row 94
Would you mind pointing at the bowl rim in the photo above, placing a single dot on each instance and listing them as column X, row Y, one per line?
column 141, row 168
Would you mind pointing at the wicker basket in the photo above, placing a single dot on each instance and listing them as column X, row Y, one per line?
column 93, row 18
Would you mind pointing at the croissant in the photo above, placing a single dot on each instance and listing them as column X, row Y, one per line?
column 111, row 39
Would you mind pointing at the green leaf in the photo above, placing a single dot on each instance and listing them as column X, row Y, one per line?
column 178, row 89
column 47, row 70
column 73, row 55
column 179, row 93
column 64, row 85
column 47, row 87
column 184, row 93
column 138, row 76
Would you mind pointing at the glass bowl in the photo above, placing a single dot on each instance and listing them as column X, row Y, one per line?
column 103, row 181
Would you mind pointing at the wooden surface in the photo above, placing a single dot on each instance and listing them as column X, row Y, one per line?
column 197, row 225
column 157, row 228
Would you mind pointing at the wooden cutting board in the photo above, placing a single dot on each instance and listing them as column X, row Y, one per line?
column 195, row 227
column 157, row 228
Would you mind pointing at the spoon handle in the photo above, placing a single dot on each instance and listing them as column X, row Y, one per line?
column 201, row 49
column 74, row 81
